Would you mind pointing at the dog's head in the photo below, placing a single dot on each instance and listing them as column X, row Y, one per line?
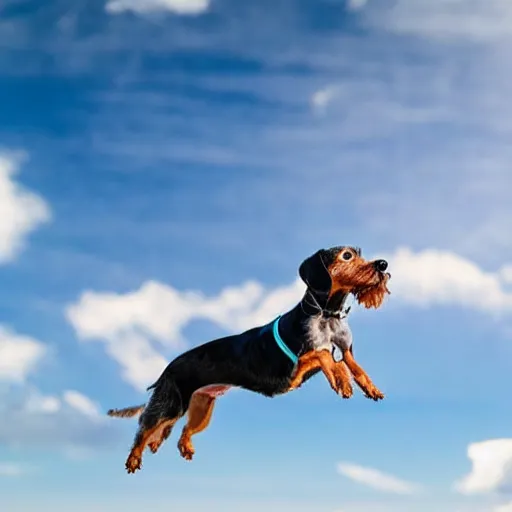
column 342, row 270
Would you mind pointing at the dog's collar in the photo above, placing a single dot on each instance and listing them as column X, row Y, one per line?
column 327, row 313
column 341, row 313
column 280, row 343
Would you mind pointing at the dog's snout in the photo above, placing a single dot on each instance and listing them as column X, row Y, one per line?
column 380, row 265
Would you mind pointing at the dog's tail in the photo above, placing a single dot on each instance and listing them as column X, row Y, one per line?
column 135, row 410
column 127, row 412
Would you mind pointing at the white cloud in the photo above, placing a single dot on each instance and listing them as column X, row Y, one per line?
column 506, row 274
column 184, row 7
column 21, row 211
column 137, row 325
column 82, row 404
column 71, row 422
column 37, row 403
column 321, row 98
column 142, row 328
column 356, row 5
column 433, row 277
column 480, row 20
column 491, row 467
column 10, row 470
column 507, row 507
column 377, row 479
column 19, row 355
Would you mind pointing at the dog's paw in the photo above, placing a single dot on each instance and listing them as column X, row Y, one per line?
column 133, row 464
column 374, row 394
column 294, row 384
column 342, row 385
column 153, row 447
column 345, row 390
column 186, row 449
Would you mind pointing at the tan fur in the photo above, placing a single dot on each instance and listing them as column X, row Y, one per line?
column 199, row 416
column 359, row 277
column 369, row 286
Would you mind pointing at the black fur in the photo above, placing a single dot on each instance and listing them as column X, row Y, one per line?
column 251, row 360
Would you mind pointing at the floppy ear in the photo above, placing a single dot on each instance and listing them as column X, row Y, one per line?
column 315, row 274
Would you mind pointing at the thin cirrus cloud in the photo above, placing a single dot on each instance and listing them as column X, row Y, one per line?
column 183, row 7
column 475, row 20
column 376, row 479
column 82, row 404
column 10, row 470
column 321, row 98
column 356, row 5
column 137, row 326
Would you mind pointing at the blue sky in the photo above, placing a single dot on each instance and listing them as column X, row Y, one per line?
column 166, row 165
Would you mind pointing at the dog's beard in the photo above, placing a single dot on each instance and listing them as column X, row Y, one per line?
column 372, row 296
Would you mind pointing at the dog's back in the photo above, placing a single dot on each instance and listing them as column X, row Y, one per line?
column 251, row 360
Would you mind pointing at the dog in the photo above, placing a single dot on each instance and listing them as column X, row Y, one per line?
column 272, row 359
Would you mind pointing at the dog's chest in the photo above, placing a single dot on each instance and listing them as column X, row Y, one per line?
column 323, row 333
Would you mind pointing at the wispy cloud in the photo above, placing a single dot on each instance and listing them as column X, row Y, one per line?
column 10, row 470
column 321, row 98
column 184, row 7
column 377, row 479
column 37, row 403
column 21, row 211
column 474, row 20
column 399, row 107
column 82, row 404
column 356, row 5
column 68, row 420
column 19, row 355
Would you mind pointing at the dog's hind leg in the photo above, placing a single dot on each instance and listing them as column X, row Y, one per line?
column 143, row 436
column 161, row 435
column 199, row 416
column 166, row 406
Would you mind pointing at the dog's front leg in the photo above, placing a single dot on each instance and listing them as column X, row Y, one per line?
column 361, row 377
column 336, row 373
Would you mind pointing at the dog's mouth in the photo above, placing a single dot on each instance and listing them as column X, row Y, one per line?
column 372, row 295
column 384, row 276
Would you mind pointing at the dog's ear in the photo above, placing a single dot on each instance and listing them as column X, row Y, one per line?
column 315, row 274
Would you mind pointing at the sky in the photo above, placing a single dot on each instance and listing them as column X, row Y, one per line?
column 165, row 167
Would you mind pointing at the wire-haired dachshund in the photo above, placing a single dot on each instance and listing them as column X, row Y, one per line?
column 272, row 359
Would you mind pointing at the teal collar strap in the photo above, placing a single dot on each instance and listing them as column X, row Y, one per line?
column 280, row 343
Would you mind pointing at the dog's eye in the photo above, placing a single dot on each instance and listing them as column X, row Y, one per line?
column 346, row 255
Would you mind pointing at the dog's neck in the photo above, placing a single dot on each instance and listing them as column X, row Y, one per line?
column 295, row 325
column 329, row 307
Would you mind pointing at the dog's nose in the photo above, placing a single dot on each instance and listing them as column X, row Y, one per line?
column 380, row 265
